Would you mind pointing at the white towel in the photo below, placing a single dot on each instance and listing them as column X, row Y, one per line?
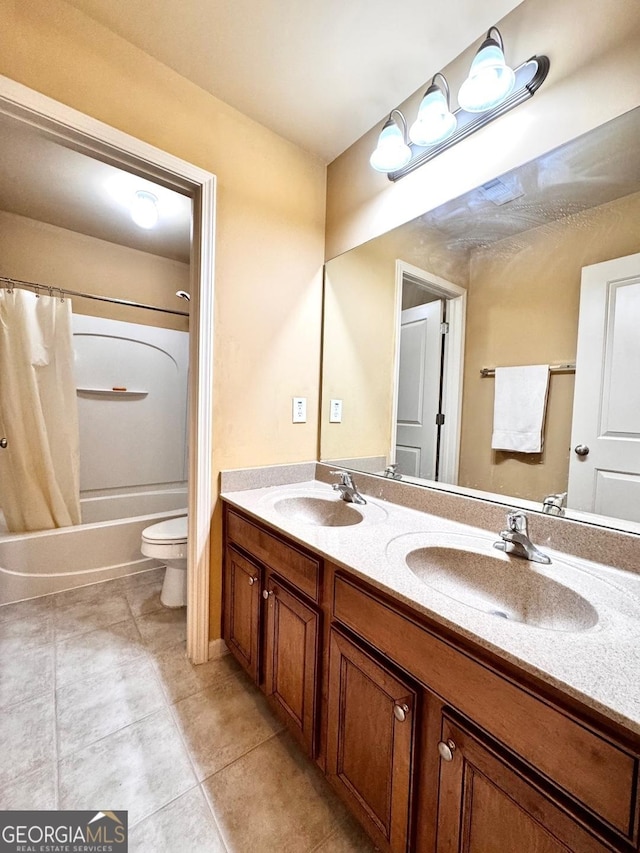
column 519, row 408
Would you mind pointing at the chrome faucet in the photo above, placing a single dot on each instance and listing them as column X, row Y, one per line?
column 391, row 471
column 347, row 488
column 515, row 539
column 554, row 504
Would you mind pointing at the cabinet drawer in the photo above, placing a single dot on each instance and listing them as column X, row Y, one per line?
column 296, row 567
column 595, row 771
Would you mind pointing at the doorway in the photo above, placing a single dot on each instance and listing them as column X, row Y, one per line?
column 82, row 133
column 429, row 325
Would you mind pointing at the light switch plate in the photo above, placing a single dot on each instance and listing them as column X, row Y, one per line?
column 335, row 412
column 299, row 410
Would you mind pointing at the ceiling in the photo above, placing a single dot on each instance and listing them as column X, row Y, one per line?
column 43, row 180
column 320, row 74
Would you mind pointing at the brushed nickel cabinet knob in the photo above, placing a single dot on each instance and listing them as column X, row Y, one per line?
column 400, row 711
column 446, row 749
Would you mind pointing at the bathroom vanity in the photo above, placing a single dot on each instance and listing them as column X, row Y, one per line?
column 444, row 720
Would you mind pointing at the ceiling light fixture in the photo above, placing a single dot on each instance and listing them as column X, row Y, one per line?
column 144, row 209
column 491, row 90
column 392, row 151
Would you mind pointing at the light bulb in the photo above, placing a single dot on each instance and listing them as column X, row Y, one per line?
column 490, row 79
column 391, row 152
column 435, row 121
column 144, row 209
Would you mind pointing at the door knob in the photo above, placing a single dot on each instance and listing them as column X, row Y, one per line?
column 3, row 443
column 252, row 580
column 446, row 749
column 400, row 711
column 267, row 593
column 581, row 450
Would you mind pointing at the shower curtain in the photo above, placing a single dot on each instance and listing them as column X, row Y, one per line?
column 39, row 468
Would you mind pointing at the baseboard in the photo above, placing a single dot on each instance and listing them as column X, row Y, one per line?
column 217, row 649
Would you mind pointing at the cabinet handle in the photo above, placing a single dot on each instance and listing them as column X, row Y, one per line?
column 267, row 593
column 446, row 749
column 400, row 711
column 252, row 580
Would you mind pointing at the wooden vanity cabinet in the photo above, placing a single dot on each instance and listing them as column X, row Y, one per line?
column 242, row 610
column 435, row 745
column 271, row 623
column 291, row 649
column 486, row 806
column 371, row 737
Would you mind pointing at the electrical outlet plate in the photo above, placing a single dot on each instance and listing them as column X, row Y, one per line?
column 299, row 410
column 335, row 412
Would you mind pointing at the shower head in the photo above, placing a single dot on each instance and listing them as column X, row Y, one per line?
column 183, row 295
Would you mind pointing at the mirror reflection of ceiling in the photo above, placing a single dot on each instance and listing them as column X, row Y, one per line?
column 596, row 168
column 46, row 181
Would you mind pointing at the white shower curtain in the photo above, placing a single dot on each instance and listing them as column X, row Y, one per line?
column 39, row 468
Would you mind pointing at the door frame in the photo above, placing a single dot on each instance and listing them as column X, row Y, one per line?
column 452, row 365
column 103, row 142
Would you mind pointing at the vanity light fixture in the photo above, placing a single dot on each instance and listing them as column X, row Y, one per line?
column 490, row 79
column 435, row 121
column 392, row 151
column 144, row 209
column 491, row 90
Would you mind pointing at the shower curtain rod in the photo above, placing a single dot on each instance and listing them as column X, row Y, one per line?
column 9, row 283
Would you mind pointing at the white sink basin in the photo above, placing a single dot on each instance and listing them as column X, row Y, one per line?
column 469, row 570
column 322, row 512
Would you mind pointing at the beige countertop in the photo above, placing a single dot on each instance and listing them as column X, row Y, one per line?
column 599, row 666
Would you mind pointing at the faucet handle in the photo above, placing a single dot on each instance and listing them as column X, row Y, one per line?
column 345, row 477
column 517, row 521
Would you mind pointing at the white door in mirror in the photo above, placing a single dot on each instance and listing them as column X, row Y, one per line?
column 604, row 466
column 419, row 389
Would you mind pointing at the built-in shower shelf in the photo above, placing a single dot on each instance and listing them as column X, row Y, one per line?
column 113, row 392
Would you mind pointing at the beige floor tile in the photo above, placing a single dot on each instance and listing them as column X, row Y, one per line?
column 27, row 738
column 93, row 708
column 88, row 655
column 180, row 678
column 164, row 628
column 142, row 578
column 222, row 722
column 26, row 673
column 35, row 790
column 348, row 838
column 186, row 824
column 26, row 633
column 145, row 598
column 33, row 607
column 140, row 769
column 89, row 592
column 273, row 799
column 84, row 616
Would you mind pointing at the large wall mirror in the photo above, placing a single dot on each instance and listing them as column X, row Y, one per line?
column 539, row 267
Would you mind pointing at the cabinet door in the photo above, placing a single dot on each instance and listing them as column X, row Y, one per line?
column 242, row 610
column 486, row 806
column 291, row 646
column 370, row 741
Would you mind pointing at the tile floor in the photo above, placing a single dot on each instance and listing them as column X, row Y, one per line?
column 99, row 708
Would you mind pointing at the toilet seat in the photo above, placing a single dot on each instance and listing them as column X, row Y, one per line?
column 170, row 532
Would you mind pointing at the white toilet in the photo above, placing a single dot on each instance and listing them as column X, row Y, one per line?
column 167, row 541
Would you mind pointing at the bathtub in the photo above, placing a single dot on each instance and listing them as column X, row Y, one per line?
column 105, row 546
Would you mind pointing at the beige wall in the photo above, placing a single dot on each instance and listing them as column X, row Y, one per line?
column 37, row 251
column 270, row 228
column 359, row 353
column 522, row 308
column 594, row 77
